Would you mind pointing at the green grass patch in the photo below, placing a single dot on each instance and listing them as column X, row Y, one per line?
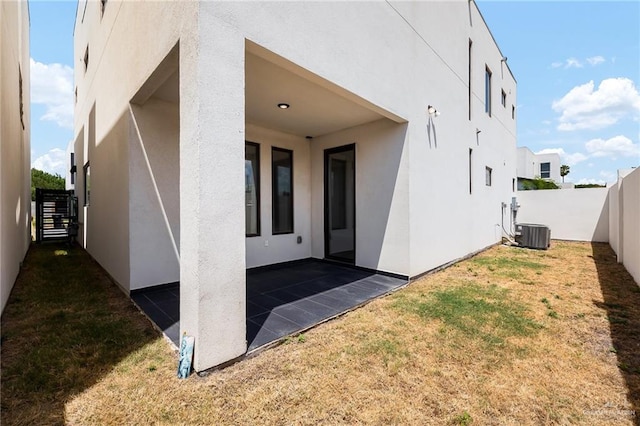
column 477, row 312
column 514, row 267
column 66, row 324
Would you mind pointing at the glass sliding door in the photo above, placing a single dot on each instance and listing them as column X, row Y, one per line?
column 340, row 197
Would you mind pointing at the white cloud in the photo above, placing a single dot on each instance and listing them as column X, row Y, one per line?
column 617, row 146
column 54, row 162
column 595, row 60
column 565, row 157
column 572, row 63
column 577, row 63
column 52, row 86
column 585, row 108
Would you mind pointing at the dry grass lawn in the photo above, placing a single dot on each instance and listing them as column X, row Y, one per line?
column 511, row 336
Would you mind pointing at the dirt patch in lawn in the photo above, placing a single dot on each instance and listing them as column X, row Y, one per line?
column 511, row 336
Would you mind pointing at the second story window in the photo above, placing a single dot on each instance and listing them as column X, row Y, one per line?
column 487, row 91
column 85, row 59
column 488, row 171
column 545, row 170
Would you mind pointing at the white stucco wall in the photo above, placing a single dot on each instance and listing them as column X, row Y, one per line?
column 628, row 239
column 414, row 211
column 382, row 178
column 614, row 219
column 15, row 153
column 267, row 249
column 554, row 160
column 154, row 194
column 447, row 220
column 571, row 214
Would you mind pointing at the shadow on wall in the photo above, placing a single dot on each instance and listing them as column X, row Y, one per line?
column 622, row 304
column 378, row 170
column 601, row 230
column 65, row 327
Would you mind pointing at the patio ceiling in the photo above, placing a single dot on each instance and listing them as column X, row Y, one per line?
column 317, row 106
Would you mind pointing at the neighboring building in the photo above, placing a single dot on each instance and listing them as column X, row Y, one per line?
column 15, row 151
column 182, row 136
column 531, row 166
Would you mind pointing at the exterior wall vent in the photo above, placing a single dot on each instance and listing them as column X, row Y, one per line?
column 533, row 236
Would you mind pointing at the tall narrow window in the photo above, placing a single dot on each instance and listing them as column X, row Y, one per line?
column 487, row 175
column 503, row 98
column 252, row 188
column 72, row 170
column 470, row 170
column 282, row 190
column 87, row 183
column 85, row 60
column 21, row 96
column 469, row 82
column 513, row 112
column 487, row 91
column 545, row 170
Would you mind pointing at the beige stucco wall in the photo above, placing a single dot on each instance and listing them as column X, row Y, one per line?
column 15, row 153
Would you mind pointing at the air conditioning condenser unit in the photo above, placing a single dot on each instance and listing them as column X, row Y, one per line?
column 533, row 235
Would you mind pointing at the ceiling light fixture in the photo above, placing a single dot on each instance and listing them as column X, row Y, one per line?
column 283, row 106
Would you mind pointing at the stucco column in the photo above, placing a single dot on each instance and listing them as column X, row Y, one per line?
column 212, row 237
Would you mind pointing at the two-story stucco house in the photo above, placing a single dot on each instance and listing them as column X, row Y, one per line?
column 214, row 137
column 543, row 166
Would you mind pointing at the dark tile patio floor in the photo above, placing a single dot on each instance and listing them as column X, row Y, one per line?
column 281, row 299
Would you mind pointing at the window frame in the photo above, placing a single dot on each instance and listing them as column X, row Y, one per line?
column 487, row 90
column 470, row 77
column 547, row 172
column 503, row 98
column 85, row 59
column 274, row 192
column 470, row 171
column 257, row 185
column 488, row 176
column 86, row 174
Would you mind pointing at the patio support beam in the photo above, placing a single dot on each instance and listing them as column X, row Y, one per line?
column 212, row 238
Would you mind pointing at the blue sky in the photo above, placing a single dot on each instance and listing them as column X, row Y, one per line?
column 51, row 82
column 577, row 64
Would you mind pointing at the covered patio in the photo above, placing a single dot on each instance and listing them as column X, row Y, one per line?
column 281, row 299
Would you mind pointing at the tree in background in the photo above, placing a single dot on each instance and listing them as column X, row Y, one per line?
column 40, row 179
column 564, row 170
column 537, row 183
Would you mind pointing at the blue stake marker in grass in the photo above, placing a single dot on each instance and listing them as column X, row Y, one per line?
column 186, row 355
